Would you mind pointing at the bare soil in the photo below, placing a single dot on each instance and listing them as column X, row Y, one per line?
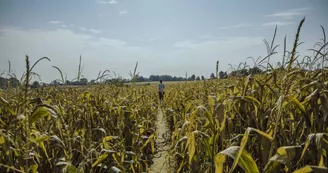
column 160, row 160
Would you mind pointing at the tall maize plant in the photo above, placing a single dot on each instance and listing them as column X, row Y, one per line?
column 272, row 122
column 90, row 129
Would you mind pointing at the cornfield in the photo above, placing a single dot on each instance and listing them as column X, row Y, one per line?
column 272, row 122
column 94, row 129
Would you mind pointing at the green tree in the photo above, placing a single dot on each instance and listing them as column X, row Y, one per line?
column 84, row 81
column 223, row 75
column 35, row 84
column 212, row 76
column 192, row 77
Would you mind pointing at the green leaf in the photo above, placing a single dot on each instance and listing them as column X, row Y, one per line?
column 208, row 115
column 39, row 113
column 100, row 159
column 246, row 162
column 211, row 103
column 71, row 169
column 220, row 114
column 191, row 146
column 318, row 137
column 313, row 169
column 250, row 98
column 148, row 140
column 298, row 104
column 219, row 162
column 244, row 141
column 285, row 155
column 7, row 105
column 106, row 139
column 33, row 168
column 2, row 139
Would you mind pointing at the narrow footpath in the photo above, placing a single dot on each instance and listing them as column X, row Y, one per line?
column 160, row 164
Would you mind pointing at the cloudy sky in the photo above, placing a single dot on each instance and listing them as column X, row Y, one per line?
column 165, row 37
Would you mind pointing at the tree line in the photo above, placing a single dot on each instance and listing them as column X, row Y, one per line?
column 14, row 82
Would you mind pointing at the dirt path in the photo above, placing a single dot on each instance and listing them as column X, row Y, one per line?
column 160, row 164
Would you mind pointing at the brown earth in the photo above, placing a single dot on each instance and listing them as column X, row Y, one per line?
column 160, row 160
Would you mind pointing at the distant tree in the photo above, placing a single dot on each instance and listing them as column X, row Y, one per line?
column 198, row 78
column 35, row 84
column 203, row 78
column 212, row 76
column 3, row 82
column 67, row 82
column 55, row 82
column 164, row 78
column 84, row 81
column 192, row 77
column 118, row 81
column 93, row 81
column 223, row 75
column 140, row 78
column 255, row 70
column 11, row 82
column 14, row 82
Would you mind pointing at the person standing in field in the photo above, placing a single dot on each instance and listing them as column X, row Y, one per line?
column 161, row 88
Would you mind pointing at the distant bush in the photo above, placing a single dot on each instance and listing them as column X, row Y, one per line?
column 246, row 72
column 11, row 82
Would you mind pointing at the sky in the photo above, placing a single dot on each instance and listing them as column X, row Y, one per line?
column 165, row 37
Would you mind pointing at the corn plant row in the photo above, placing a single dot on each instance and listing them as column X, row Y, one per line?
column 87, row 129
column 272, row 122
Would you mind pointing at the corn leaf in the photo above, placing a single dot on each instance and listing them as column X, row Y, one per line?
column 191, row 146
column 285, row 155
column 39, row 113
column 100, row 159
column 246, row 162
column 311, row 169
column 244, row 141
column 7, row 105
column 219, row 163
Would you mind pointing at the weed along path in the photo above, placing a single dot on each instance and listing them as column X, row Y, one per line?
column 160, row 164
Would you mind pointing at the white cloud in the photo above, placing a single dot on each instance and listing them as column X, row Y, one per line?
column 95, row 31
column 102, row 41
column 54, row 22
column 71, row 25
column 123, row 12
column 64, row 26
column 64, row 47
column 82, row 28
column 100, row 15
column 106, row 1
column 241, row 25
column 199, row 57
column 276, row 23
column 290, row 13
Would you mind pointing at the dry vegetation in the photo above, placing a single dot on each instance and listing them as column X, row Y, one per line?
column 273, row 122
column 89, row 129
